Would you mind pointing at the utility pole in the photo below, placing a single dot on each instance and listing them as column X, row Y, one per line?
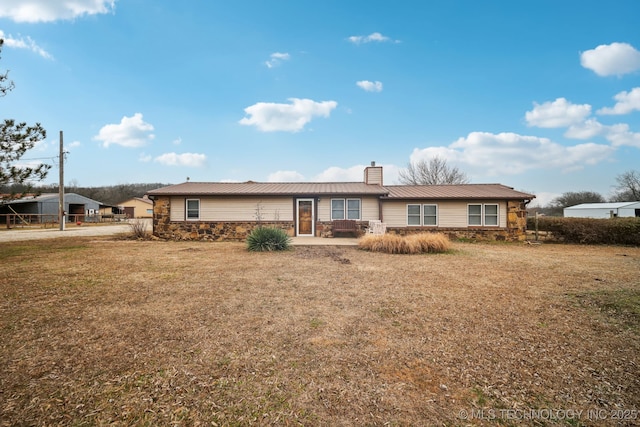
column 61, row 184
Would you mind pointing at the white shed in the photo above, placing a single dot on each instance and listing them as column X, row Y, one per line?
column 603, row 210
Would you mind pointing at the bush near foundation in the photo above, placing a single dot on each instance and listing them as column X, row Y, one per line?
column 263, row 239
column 411, row 244
column 614, row 231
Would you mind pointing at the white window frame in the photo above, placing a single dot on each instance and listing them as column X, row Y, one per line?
column 421, row 214
column 187, row 210
column 414, row 215
column 422, row 217
column 484, row 215
column 345, row 208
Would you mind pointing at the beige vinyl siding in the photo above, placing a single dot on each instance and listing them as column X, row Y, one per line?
column 451, row 214
column 236, row 208
column 368, row 207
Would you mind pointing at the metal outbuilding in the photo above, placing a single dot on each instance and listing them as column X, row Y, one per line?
column 603, row 210
column 47, row 204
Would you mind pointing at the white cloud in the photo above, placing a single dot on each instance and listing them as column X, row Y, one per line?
column 177, row 141
column 370, row 86
column 74, row 144
column 355, row 174
column 543, row 198
column 619, row 134
column 24, row 43
column 511, row 153
column 613, row 59
column 585, row 130
column 627, row 102
column 130, row 132
column 556, row 114
column 373, row 37
column 52, row 10
column 271, row 117
column 285, row 176
column 276, row 58
column 184, row 159
column 337, row 174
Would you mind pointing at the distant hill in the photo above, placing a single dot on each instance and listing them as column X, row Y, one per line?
column 109, row 195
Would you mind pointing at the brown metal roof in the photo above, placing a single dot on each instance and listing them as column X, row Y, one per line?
column 463, row 191
column 459, row 191
column 268, row 188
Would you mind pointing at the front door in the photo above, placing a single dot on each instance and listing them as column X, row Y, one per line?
column 305, row 217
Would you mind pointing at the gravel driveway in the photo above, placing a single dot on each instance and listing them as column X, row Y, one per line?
column 18, row 234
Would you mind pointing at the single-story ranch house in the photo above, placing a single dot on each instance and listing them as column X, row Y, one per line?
column 229, row 211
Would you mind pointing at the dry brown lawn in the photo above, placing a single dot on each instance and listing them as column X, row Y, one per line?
column 104, row 331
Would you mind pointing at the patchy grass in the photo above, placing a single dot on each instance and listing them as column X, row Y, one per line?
column 412, row 244
column 101, row 331
column 620, row 304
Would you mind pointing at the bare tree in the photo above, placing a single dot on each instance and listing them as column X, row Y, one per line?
column 572, row 198
column 433, row 172
column 628, row 188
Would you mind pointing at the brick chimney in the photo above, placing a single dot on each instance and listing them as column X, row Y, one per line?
column 373, row 174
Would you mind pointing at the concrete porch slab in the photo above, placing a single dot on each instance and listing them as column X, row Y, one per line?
column 324, row 241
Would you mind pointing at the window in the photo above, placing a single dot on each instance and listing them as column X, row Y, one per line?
column 475, row 214
column 193, row 209
column 413, row 214
column 483, row 215
column 352, row 207
column 491, row 215
column 337, row 209
column 422, row 215
column 430, row 214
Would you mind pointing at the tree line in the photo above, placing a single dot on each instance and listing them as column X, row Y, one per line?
column 627, row 189
column 108, row 195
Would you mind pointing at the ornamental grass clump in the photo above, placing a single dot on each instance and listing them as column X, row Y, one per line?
column 412, row 244
column 264, row 239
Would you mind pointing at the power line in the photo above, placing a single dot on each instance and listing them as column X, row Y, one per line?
column 41, row 158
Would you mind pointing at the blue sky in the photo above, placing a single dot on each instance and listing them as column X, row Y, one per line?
column 542, row 96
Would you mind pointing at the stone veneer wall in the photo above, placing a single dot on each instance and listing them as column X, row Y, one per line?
column 479, row 234
column 217, row 231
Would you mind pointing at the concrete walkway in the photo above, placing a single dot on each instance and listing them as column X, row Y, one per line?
column 324, row 241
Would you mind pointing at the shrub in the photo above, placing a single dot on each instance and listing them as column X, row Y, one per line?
column 412, row 244
column 614, row 231
column 138, row 229
column 264, row 239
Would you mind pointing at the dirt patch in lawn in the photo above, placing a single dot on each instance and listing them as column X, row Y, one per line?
column 99, row 331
